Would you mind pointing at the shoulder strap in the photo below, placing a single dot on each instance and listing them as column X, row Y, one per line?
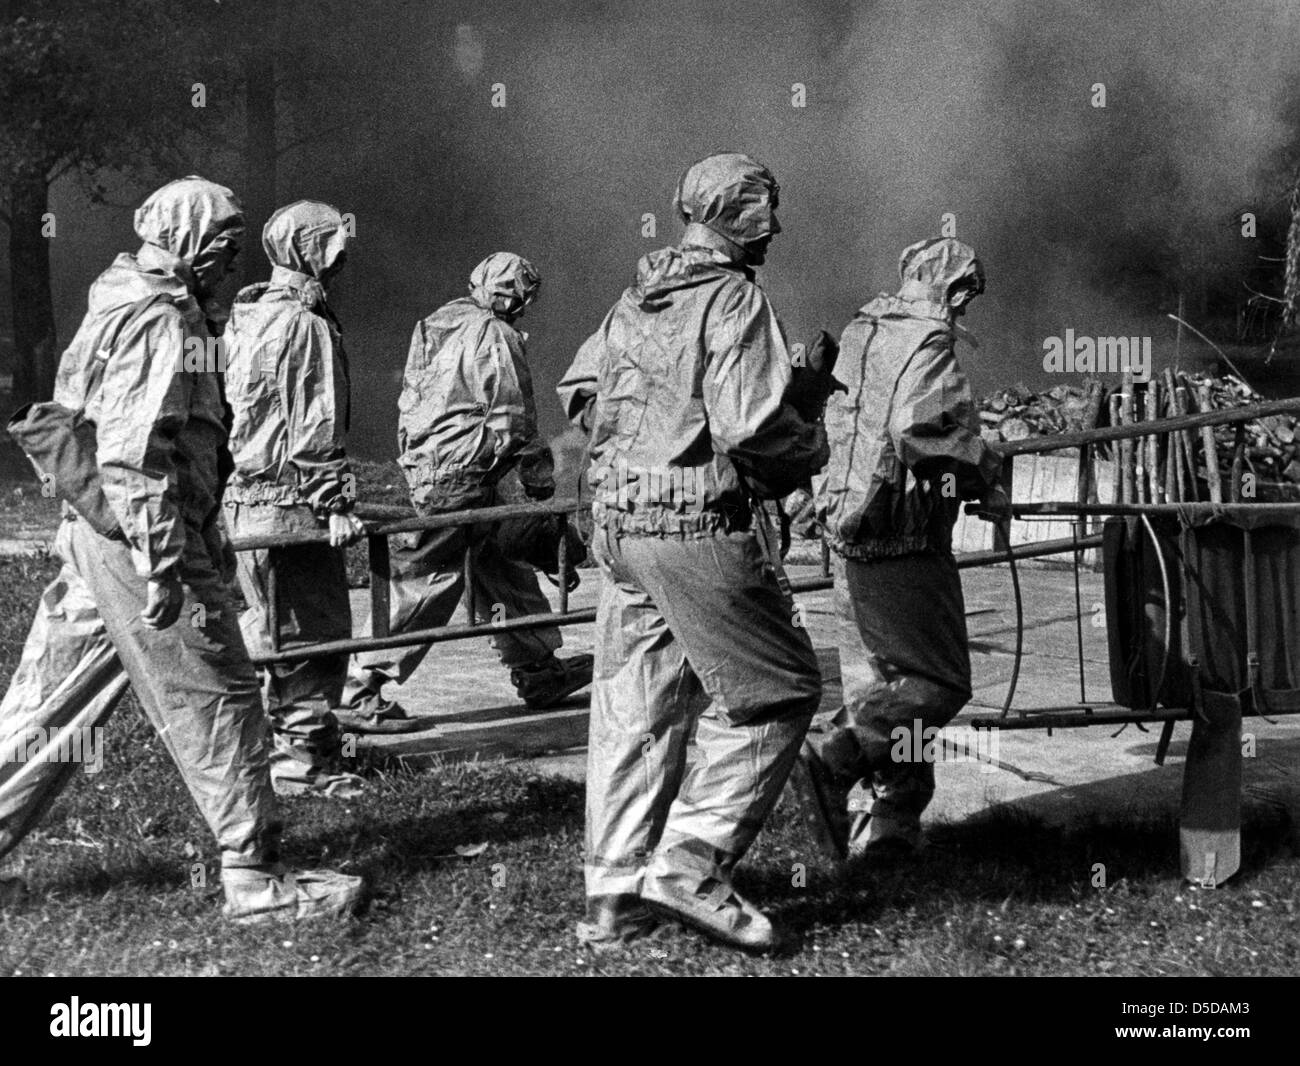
column 99, row 361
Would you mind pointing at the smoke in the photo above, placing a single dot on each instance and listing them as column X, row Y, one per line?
column 1088, row 218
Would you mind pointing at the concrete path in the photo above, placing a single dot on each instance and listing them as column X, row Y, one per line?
column 1069, row 775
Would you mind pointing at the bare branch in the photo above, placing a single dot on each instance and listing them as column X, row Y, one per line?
column 1262, row 295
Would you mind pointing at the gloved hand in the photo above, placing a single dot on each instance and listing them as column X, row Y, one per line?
column 220, row 552
column 996, row 505
column 543, row 491
column 163, row 601
column 344, row 530
column 228, row 567
column 813, row 383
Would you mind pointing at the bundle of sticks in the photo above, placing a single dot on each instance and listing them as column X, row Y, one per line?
column 1239, row 463
column 1017, row 412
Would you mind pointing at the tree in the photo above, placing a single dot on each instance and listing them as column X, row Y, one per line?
column 87, row 86
column 299, row 71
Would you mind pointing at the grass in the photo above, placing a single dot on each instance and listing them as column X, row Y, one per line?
column 111, row 867
column 25, row 514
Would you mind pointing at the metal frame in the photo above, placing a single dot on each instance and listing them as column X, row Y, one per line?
column 383, row 522
column 1199, row 841
column 1108, row 713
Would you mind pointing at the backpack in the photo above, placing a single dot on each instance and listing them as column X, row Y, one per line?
column 61, row 443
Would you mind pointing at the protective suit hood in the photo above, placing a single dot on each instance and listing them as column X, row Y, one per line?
column 306, row 237
column 504, row 283
column 186, row 216
column 931, row 269
column 731, row 194
column 670, row 270
column 131, row 278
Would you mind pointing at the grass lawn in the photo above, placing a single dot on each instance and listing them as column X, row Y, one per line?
column 111, row 872
column 25, row 513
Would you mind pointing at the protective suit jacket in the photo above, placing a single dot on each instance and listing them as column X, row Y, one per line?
column 466, row 414
column 905, row 441
column 288, row 386
column 689, row 372
column 156, row 410
column 157, row 413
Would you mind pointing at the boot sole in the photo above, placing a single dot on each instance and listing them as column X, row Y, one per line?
column 668, row 911
column 558, row 696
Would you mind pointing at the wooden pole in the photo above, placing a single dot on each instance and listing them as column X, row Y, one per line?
column 1171, row 489
column 1219, row 417
column 1176, row 448
column 1238, row 462
column 1210, row 448
column 1126, row 448
column 1154, row 479
column 1116, row 452
column 1186, row 446
column 1086, row 486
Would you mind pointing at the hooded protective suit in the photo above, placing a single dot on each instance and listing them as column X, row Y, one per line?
column 900, row 469
column 466, row 414
column 905, row 451
column 158, row 423
column 287, row 383
column 466, row 417
column 684, row 387
column 287, row 375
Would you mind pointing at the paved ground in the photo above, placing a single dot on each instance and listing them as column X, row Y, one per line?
column 1070, row 775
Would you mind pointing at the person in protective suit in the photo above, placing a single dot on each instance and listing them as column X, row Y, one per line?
column 288, row 388
column 466, row 418
column 147, row 598
column 697, row 415
column 905, row 451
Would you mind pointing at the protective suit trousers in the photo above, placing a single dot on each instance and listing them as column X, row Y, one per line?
column 428, row 580
column 911, row 616
column 312, row 605
column 193, row 680
column 691, row 635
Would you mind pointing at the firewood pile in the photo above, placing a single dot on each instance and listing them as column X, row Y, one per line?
column 1018, row 412
column 1266, row 451
column 1256, row 460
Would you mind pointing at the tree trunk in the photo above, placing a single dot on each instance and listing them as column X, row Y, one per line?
column 260, row 141
column 29, row 282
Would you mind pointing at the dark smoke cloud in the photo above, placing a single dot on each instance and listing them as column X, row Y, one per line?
column 914, row 109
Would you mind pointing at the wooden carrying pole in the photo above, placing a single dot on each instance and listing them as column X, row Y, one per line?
column 1210, row 448
column 1126, row 448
